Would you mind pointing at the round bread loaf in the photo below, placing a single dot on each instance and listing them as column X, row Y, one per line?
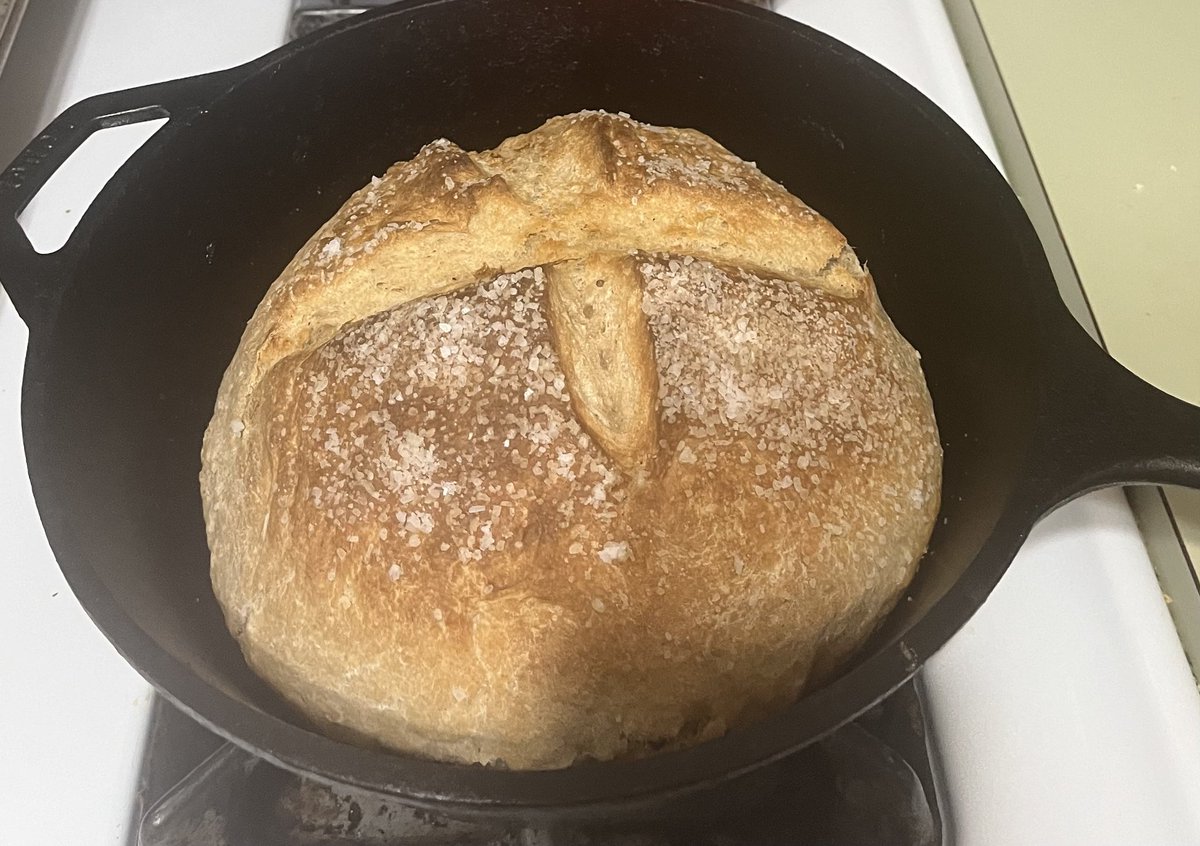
column 590, row 445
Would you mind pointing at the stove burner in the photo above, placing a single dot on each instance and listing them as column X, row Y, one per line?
column 869, row 782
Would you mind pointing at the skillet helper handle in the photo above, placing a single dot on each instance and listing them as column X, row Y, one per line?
column 1105, row 426
column 32, row 279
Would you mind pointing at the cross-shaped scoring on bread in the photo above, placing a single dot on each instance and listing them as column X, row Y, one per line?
column 595, row 443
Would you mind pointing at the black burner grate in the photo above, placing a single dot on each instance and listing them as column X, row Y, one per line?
column 870, row 782
column 311, row 15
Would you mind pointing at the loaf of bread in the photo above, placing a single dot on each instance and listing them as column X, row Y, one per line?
column 593, row 444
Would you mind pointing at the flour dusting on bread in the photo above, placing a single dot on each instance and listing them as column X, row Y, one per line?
column 587, row 446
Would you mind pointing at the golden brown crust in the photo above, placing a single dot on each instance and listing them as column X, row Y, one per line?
column 590, row 444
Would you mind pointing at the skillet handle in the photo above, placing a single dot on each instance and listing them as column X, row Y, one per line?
column 1101, row 425
column 31, row 279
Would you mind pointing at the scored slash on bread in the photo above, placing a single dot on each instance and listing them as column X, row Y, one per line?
column 589, row 445
column 579, row 185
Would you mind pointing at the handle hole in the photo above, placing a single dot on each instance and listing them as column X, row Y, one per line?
column 54, row 211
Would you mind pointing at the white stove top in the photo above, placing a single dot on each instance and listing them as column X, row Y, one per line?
column 1063, row 713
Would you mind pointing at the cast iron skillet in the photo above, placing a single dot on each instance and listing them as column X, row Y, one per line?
column 133, row 322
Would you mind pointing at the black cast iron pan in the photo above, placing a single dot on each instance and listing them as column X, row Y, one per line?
column 133, row 322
